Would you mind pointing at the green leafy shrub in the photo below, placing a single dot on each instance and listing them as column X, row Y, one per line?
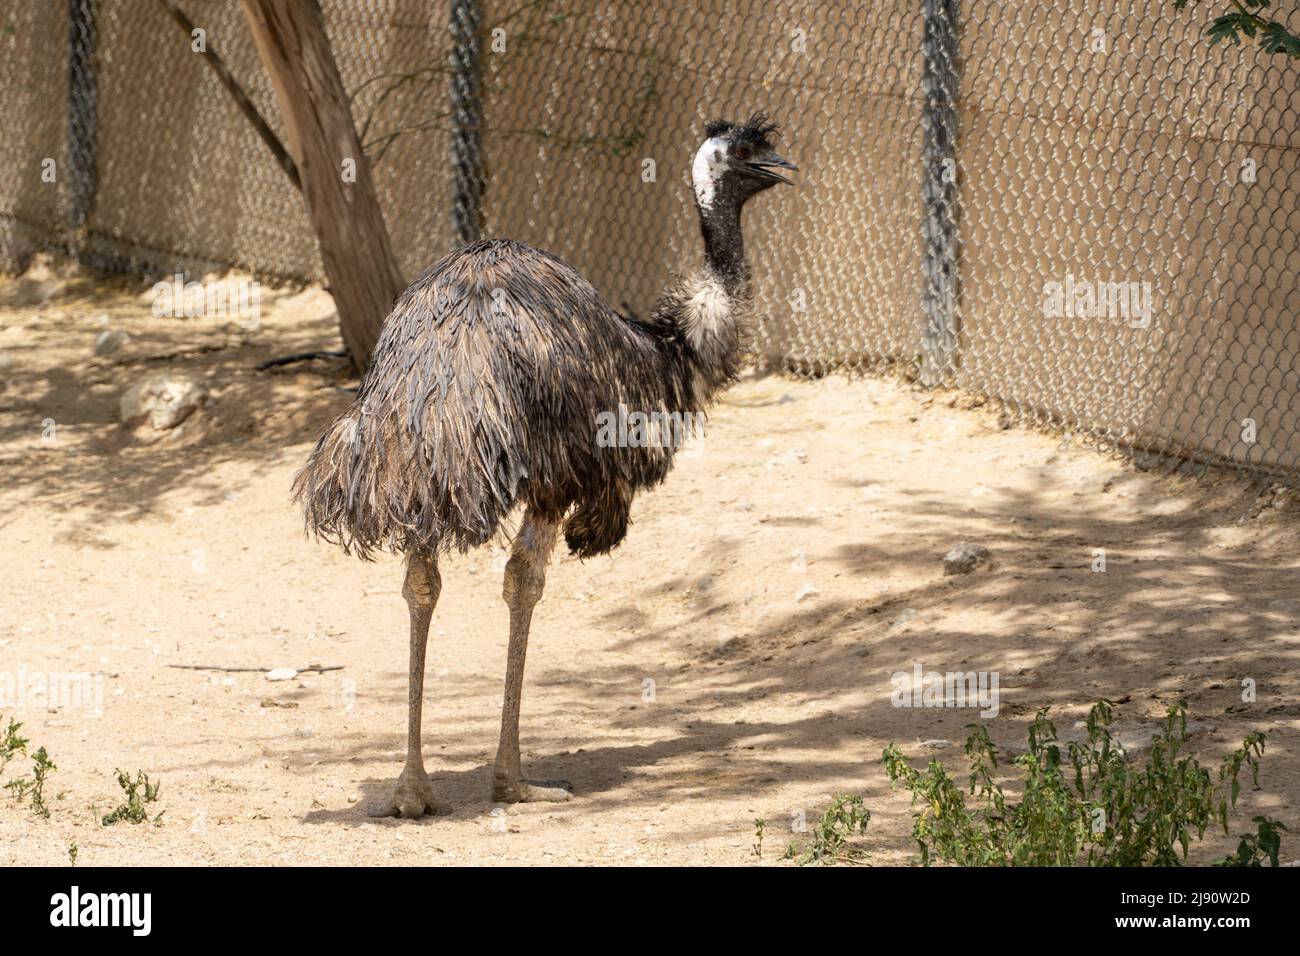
column 12, row 744
column 831, row 842
column 1247, row 18
column 33, row 785
column 138, row 793
column 1089, row 805
column 1264, row 844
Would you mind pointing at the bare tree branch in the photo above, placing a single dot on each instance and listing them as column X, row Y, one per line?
column 241, row 99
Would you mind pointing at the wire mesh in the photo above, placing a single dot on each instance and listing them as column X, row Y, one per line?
column 34, row 200
column 1105, row 150
column 594, row 111
column 1074, row 207
column 182, row 180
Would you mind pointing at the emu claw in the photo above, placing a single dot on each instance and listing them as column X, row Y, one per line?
column 412, row 798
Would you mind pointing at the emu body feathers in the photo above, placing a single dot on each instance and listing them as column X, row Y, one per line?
column 484, row 392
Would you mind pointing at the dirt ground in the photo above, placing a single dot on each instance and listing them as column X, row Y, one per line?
column 731, row 661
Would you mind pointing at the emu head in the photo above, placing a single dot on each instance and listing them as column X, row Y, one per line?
column 736, row 162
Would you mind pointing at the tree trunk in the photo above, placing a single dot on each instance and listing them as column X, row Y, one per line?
column 355, row 248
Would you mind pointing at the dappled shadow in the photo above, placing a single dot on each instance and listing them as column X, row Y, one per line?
column 1085, row 635
column 61, row 437
column 813, row 681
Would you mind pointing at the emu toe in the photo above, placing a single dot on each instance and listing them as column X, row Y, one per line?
column 412, row 798
column 532, row 791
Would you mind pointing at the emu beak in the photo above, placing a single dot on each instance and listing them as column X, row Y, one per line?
column 765, row 166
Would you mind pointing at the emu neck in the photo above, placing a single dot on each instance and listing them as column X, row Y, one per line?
column 724, row 247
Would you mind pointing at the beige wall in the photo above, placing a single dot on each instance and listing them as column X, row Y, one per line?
column 33, row 126
column 1126, row 165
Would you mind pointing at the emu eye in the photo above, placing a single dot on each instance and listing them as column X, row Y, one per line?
column 743, row 152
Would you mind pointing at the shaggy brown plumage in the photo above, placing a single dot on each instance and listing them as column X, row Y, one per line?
column 486, row 385
column 484, row 392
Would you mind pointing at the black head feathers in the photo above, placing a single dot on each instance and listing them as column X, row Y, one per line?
column 755, row 132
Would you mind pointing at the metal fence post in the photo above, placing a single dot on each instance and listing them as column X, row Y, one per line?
column 466, row 121
column 81, row 111
column 940, row 336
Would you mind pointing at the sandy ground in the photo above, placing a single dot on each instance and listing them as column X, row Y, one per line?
column 765, row 595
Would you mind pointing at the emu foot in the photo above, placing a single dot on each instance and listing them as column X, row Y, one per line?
column 505, row 790
column 413, row 797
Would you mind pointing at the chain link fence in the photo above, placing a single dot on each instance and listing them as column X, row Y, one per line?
column 181, row 179
column 1129, row 209
column 1073, row 207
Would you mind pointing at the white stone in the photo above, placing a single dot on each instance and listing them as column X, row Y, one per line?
column 965, row 558
column 164, row 399
column 109, row 341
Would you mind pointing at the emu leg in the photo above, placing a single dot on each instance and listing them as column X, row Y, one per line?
column 413, row 796
column 524, row 581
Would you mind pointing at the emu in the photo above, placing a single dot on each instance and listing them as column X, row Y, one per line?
column 484, row 392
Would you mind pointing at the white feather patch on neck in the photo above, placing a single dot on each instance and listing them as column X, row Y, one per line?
column 709, row 162
column 706, row 307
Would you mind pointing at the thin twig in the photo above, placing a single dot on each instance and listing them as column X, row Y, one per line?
column 402, row 79
column 299, row 357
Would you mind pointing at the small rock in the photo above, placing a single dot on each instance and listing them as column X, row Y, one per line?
column 1139, row 741
column 805, row 592
column 1136, row 740
column 965, row 558
column 795, row 456
column 730, row 646
column 108, row 342
column 281, row 673
column 936, row 744
column 909, row 614
column 164, row 398
column 273, row 702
